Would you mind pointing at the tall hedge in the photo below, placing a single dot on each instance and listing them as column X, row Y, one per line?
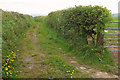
column 80, row 21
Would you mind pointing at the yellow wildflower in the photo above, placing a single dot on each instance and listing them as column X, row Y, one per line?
column 7, row 73
column 12, row 51
column 10, row 73
column 7, row 59
column 71, row 74
column 2, row 66
column 12, row 60
column 14, row 57
column 6, row 68
column 5, row 63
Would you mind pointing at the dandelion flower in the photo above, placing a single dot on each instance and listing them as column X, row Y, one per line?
column 5, row 63
column 12, row 51
column 6, row 68
column 10, row 73
column 7, row 73
column 7, row 59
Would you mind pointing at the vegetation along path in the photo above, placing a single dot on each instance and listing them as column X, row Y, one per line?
column 36, row 62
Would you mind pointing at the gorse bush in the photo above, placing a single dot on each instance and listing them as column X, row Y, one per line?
column 14, row 26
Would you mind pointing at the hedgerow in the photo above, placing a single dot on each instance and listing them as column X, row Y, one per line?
column 75, row 25
column 80, row 21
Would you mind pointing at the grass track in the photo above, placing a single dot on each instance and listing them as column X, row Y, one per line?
column 50, row 66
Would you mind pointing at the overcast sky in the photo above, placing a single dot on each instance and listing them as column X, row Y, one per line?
column 46, row 6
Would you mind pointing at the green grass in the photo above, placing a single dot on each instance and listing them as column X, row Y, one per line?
column 53, row 43
column 50, row 66
column 60, row 67
column 53, row 47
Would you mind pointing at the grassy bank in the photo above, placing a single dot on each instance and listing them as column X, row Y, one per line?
column 14, row 27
